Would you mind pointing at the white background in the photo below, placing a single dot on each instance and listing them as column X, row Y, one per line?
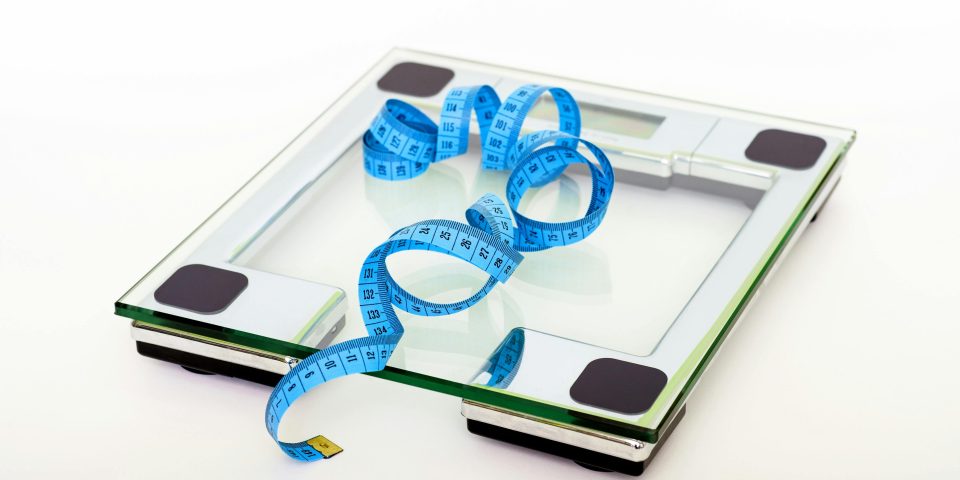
column 123, row 126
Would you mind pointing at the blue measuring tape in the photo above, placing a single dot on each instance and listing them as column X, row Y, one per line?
column 505, row 361
column 400, row 144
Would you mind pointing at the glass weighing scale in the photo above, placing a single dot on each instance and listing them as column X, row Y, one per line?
column 605, row 338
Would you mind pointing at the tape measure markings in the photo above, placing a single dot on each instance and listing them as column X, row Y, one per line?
column 539, row 167
column 400, row 143
column 455, row 118
column 505, row 128
column 502, row 365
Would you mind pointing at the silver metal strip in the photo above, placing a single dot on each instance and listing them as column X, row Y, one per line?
column 597, row 441
column 212, row 348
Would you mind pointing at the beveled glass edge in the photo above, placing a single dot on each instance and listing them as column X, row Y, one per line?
column 471, row 392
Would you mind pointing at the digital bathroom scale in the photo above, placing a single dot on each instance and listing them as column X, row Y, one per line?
column 605, row 338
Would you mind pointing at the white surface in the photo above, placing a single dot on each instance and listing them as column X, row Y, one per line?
column 121, row 128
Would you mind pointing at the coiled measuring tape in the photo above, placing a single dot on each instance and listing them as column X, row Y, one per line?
column 400, row 144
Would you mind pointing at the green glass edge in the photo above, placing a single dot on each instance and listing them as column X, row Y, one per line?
column 323, row 310
column 471, row 392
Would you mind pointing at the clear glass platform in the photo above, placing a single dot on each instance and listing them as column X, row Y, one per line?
column 619, row 289
column 692, row 228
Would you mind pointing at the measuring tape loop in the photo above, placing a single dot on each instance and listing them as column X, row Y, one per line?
column 455, row 118
column 378, row 294
column 402, row 141
column 469, row 243
column 491, row 215
column 540, row 165
column 498, row 145
column 400, row 144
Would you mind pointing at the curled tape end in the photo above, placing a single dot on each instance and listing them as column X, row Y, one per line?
column 324, row 446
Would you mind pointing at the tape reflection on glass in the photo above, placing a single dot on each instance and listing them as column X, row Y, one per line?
column 505, row 361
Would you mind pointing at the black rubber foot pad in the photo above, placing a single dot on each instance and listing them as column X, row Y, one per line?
column 201, row 288
column 196, row 370
column 618, row 386
column 786, row 149
column 415, row 79
column 593, row 467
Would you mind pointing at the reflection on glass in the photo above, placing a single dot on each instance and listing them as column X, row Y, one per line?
column 485, row 323
column 604, row 119
column 502, row 366
column 421, row 197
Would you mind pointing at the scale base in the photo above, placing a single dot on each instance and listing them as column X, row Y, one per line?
column 595, row 451
column 194, row 363
column 584, row 457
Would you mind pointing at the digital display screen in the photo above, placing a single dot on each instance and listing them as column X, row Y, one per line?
column 604, row 119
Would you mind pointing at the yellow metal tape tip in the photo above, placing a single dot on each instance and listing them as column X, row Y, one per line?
column 324, row 446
